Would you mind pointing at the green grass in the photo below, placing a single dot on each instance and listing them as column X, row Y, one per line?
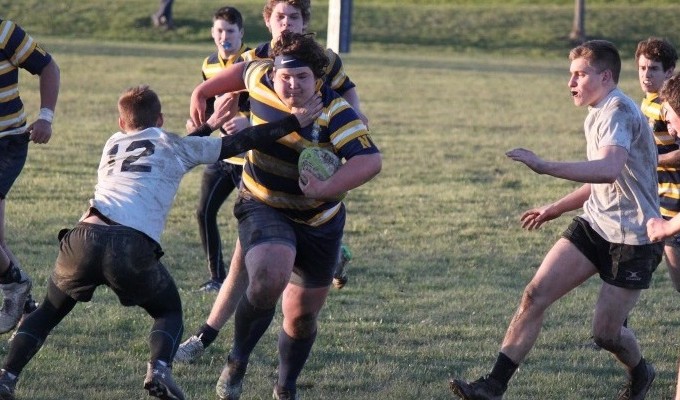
column 440, row 259
column 519, row 27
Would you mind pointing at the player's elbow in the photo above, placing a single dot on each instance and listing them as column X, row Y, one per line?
column 376, row 164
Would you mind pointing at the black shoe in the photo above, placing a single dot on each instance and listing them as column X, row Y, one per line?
column 281, row 393
column 628, row 393
column 340, row 277
column 211, row 286
column 484, row 388
column 7, row 386
column 230, row 384
column 159, row 382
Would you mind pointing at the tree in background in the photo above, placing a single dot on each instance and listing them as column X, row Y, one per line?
column 578, row 32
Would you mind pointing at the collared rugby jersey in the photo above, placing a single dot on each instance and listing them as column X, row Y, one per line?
column 18, row 50
column 211, row 66
column 271, row 173
column 139, row 174
column 669, row 177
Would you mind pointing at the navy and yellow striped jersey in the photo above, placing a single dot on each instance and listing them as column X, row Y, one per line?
column 211, row 66
column 18, row 50
column 669, row 177
column 334, row 75
column 271, row 173
column 214, row 64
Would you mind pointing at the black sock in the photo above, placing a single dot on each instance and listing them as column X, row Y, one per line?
column 250, row 323
column 503, row 369
column 293, row 354
column 13, row 274
column 207, row 334
column 638, row 375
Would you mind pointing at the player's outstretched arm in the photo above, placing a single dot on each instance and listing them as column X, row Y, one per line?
column 258, row 135
column 227, row 80
column 536, row 217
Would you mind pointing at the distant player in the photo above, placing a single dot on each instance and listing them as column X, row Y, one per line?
column 656, row 58
column 660, row 229
column 117, row 241
column 222, row 177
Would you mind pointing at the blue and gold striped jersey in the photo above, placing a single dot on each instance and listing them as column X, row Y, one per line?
column 669, row 177
column 17, row 50
column 334, row 75
column 214, row 64
column 211, row 66
column 271, row 173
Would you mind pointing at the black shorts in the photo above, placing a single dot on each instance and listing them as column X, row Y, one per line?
column 117, row 256
column 621, row 265
column 13, row 152
column 316, row 247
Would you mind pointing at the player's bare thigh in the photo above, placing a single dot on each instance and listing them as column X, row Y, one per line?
column 563, row 269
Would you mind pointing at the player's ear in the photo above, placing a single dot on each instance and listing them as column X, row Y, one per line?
column 121, row 123
column 670, row 72
column 159, row 121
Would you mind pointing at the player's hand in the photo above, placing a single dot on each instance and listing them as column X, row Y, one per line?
column 313, row 187
column 197, row 108
column 527, row 157
column 308, row 112
column 656, row 229
column 534, row 218
column 40, row 131
column 226, row 107
column 190, row 126
column 363, row 118
column 236, row 124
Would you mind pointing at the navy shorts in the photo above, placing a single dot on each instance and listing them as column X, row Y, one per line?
column 621, row 265
column 117, row 256
column 316, row 247
column 13, row 152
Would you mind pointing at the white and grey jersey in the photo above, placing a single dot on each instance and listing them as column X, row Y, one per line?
column 139, row 174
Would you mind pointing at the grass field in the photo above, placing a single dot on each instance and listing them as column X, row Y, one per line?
column 440, row 259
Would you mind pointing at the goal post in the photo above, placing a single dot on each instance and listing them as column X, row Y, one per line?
column 339, row 25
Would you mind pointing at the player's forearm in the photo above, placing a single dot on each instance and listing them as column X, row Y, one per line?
column 574, row 200
column 355, row 172
column 258, row 135
column 670, row 159
column 49, row 85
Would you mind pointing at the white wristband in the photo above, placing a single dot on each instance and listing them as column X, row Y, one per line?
column 46, row 114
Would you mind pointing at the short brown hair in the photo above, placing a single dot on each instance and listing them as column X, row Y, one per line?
column 305, row 7
column 658, row 50
column 670, row 92
column 139, row 107
column 303, row 47
column 601, row 54
column 229, row 14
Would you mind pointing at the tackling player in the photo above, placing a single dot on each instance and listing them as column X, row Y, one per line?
column 117, row 241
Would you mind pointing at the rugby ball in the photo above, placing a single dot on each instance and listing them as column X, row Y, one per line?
column 320, row 162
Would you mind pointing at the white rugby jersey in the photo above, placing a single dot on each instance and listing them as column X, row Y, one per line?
column 139, row 175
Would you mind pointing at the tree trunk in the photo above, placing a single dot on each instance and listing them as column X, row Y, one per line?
column 578, row 32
